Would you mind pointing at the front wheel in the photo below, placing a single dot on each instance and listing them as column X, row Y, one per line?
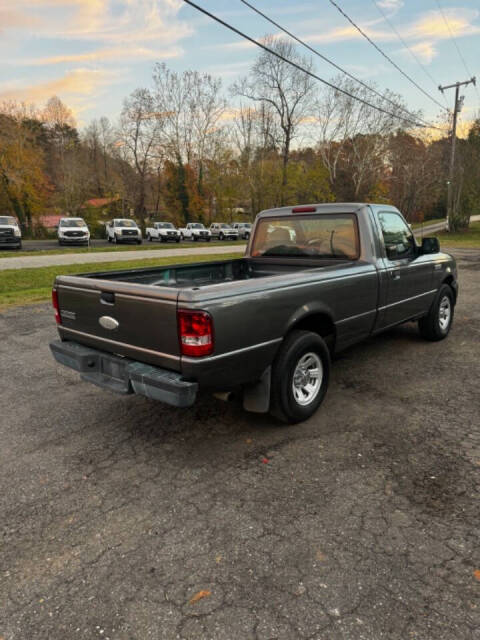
column 438, row 321
column 220, row 236
column 300, row 377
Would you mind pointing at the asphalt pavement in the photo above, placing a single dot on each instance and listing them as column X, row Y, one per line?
column 124, row 519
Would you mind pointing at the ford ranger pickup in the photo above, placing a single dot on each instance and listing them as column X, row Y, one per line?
column 314, row 280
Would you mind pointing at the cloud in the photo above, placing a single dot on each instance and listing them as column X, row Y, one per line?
column 390, row 5
column 106, row 54
column 107, row 22
column 425, row 51
column 78, row 82
column 432, row 25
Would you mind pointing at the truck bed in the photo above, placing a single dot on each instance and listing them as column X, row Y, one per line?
column 202, row 274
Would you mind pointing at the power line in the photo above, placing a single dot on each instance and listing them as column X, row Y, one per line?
column 360, row 30
column 412, row 53
column 453, row 39
column 331, row 62
column 300, row 68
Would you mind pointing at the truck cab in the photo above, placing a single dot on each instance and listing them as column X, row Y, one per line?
column 10, row 233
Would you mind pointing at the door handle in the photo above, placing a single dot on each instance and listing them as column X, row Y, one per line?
column 395, row 274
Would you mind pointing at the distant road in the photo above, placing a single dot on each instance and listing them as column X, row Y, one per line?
column 26, row 262
column 438, row 226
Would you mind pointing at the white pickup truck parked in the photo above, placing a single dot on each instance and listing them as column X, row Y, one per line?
column 123, row 230
column 195, row 231
column 163, row 231
column 222, row 231
column 73, row 231
column 10, row 234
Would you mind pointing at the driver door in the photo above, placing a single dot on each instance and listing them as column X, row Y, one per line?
column 409, row 276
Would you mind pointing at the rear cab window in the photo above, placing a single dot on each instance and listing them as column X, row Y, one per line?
column 312, row 236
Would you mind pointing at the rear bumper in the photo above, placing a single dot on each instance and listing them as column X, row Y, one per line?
column 125, row 376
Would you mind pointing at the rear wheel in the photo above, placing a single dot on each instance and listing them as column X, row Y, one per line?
column 300, row 377
column 438, row 321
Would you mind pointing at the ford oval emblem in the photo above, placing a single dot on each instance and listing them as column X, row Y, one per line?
column 108, row 322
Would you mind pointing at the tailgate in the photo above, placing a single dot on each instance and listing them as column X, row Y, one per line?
column 139, row 322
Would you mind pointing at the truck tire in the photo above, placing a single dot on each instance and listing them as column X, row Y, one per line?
column 300, row 375
column 438, row 321
column 220, row 236
column 149, row 238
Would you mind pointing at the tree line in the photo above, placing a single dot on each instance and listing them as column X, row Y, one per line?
column 187, row 149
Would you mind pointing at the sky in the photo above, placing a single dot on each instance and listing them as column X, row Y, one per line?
column 93, row 53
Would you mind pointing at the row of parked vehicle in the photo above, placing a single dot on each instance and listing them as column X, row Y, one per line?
column 72, row 231
column 167, row 232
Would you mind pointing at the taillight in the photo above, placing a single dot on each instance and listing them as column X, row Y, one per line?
column 58, row 319
column 195, row 332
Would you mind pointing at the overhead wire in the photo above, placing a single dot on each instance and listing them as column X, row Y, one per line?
column 331, row 62
column 392, row 62
column 409, row 49
column 269, row 50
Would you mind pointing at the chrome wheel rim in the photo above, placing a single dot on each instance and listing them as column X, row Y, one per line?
column 444, row 313
column 307, row 378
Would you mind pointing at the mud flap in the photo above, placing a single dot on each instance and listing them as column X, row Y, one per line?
column 256, row 397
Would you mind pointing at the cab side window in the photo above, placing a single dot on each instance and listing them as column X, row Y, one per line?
column 397, row 236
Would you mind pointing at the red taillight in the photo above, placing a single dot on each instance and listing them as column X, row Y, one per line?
column 304, row 209
column 195, row 332
column 58, row 319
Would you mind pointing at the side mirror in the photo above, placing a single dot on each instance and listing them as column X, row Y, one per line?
column 430, row 245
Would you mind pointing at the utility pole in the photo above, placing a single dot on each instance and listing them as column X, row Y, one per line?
column 456, row 110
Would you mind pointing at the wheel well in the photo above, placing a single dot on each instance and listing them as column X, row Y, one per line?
column 319, row 323
column 449, row 280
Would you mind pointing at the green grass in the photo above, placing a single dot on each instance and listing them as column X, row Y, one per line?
column 24, row 286
column 426, row 223
column 146, row 246
column 468, row 239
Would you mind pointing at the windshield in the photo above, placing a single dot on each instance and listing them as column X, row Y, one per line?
column 125, row 223
column 8, row 220
column 165, row 225
column 72, row 222
column 197, row 225
column 324, row 236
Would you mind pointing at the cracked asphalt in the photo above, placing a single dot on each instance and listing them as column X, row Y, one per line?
column 128, row 520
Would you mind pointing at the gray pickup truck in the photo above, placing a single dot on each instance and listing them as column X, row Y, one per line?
column 314, row 279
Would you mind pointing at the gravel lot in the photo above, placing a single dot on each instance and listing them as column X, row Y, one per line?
column 124, row 519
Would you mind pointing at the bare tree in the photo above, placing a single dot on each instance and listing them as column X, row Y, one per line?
column 139, row 135
column 355, row 134
column 288, row 92
column 191, row 106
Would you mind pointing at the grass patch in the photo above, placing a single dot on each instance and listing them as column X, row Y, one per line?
column 146, row 246
column 24, row 286
column 468, row 239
